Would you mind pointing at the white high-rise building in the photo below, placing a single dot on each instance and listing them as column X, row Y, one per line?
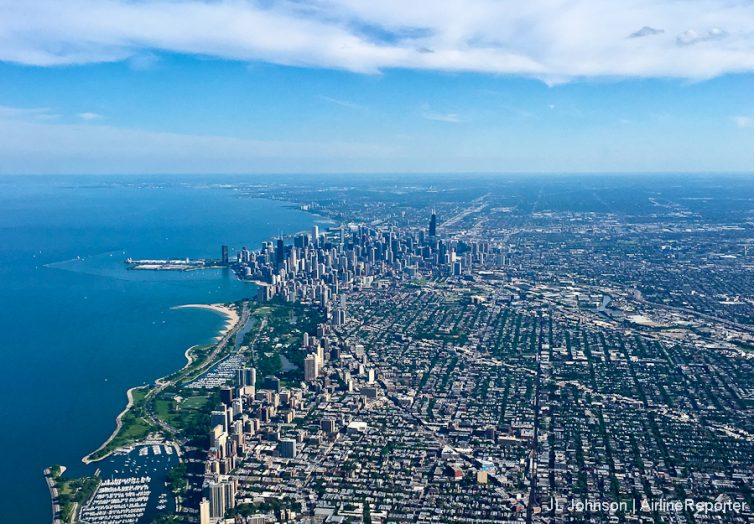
column 311, row 368
column 222, row 496
column 237, row 407
column 216, row 500
column 320, row 357
column 250, row 377
column 204, row 512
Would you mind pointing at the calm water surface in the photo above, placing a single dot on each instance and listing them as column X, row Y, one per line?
column 77, row 329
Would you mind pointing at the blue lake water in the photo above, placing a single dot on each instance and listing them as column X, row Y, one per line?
column 77, row 329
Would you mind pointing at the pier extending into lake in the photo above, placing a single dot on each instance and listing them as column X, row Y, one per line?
column 177, row 264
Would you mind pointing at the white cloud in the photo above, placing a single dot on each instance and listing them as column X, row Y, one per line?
column 344, row 103
column 89, row 116
column 450, row 118
column 37, row 113
column 691, row 36
column 553, row 40
column 742, row 121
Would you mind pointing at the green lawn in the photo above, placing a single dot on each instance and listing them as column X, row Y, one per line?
column 133, row 426
column 187, row 415
column 74, row 491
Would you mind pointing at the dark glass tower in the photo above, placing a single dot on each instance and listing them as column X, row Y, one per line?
column 433, row 225
column 280, row 253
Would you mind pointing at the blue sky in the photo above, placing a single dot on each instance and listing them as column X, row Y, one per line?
column 323, row 86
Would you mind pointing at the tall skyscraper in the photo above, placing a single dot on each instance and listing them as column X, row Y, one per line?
column 225, row 258
column 311, row 368
column 250, row 376
column 226, row 395
column 315, row 233
column 433, row 224
column 280, row 252
column 222, row 496
column 204, row 512
column 219, row 418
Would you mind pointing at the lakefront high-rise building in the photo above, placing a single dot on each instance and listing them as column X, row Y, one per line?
column 204, row 515
column 221, row 493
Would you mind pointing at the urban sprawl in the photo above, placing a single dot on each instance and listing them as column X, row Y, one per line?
column 421, row 358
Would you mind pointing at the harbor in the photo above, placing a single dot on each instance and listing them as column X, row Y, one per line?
column 133, row 486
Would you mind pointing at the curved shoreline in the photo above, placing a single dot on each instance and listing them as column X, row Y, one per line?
column 233, row 319
column 232, row 316
column 118, row 426
column 189, row 358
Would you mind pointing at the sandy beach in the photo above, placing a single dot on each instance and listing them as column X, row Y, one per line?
column 233, row 319
column 229, row 313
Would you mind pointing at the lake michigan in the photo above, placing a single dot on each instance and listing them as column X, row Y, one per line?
column 77, row 329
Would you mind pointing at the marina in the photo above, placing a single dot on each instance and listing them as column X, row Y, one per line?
column 223, row 372
column 133, row 488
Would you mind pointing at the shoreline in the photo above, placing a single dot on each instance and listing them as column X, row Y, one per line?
column 189, row 358
column 230, row 314
column 118, row 426
column 53, row 488
column 233, row 320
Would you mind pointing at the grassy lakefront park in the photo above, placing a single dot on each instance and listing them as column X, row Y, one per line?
column 140, row 418
column 173, row 410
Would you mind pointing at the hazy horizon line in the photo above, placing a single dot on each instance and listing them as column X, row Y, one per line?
column 390, row 173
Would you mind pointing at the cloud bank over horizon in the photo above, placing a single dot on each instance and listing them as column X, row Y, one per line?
column 552, row 40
